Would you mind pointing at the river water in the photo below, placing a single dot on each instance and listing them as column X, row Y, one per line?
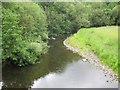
column 59, row 68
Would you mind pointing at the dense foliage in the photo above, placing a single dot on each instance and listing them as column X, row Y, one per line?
column 24, row 32
column 70, row 17
column 106, row 48
column 26, row 26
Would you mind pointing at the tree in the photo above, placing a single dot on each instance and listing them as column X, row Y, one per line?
column 24, row 33
column 116, row 15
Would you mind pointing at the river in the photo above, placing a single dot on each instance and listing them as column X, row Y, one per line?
column 59, row 68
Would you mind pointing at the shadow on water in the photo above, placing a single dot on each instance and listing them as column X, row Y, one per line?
column 77, row 74
column 53, row 61
column 59, row 68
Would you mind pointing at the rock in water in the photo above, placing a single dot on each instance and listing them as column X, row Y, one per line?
column 53, row 38
column 84, row 60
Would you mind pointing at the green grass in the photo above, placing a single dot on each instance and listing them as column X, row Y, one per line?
column 103, row 41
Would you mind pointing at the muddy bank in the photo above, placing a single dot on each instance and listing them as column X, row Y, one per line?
column 93, row 59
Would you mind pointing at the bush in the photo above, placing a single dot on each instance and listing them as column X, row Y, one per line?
column 24, row 33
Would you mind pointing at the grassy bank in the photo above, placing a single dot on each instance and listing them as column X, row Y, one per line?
column 103, row 41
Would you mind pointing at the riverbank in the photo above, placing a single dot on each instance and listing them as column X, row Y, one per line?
column 87, row 52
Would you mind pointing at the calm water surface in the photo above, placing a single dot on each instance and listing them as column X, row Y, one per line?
column 59, row 68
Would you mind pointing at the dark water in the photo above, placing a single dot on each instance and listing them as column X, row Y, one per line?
column 59, row 68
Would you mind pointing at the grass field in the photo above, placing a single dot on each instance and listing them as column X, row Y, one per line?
column 103, row 41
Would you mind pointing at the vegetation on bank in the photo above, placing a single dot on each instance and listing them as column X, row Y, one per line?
column 69, row 17
column 103, row 41
column 24, row 33
column 26, row 26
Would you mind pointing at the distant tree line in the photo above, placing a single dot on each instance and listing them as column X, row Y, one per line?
column 27, row 26
column 70, row 17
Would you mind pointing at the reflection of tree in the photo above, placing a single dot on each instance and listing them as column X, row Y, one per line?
column 54, row 61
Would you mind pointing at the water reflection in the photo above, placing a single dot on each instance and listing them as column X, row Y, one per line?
column 53, row 61
column 77, row 74
column 57, row 68
column 1, row 85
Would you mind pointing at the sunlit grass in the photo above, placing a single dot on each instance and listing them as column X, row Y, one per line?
column 103, row 41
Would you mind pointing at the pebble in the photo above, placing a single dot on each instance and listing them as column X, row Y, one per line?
column 94, row 60
column 84, row 60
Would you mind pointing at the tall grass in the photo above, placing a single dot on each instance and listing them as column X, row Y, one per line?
column 103, row 41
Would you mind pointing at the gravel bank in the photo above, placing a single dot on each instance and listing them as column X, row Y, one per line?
column 93, row 59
